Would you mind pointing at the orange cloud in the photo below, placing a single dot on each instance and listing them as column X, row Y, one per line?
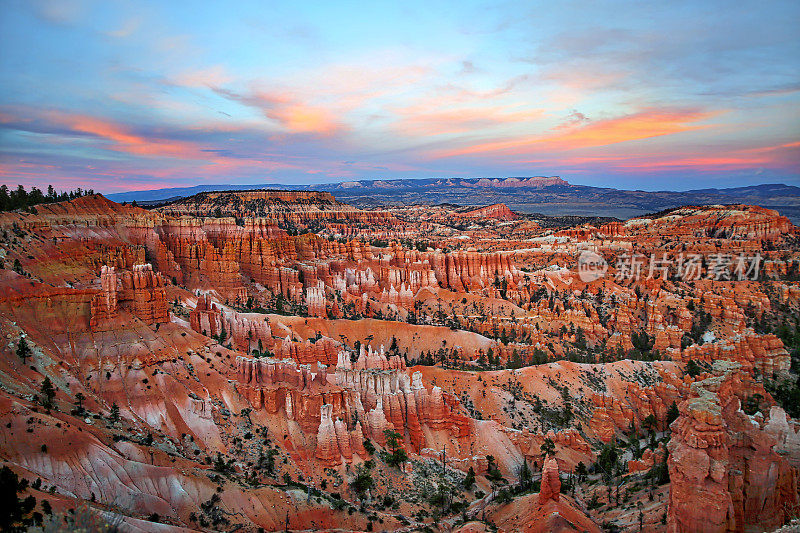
column 643, row 125
column 186, row 156
column 293, row 115
column 334, row 98
column 787, row 145
column 302, row 118
column 122, row 140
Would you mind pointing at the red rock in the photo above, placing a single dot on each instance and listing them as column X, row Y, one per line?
column 764, row 353
column 498, row 211
column 141, row 292
column 206, row 318
column 725, row 475
column 620, row 412
column 648, row 460
column 731, row 221
column 327, row 451
column 114, row 340
column 551, row 483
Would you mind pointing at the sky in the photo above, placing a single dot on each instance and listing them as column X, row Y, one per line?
column 117, row 96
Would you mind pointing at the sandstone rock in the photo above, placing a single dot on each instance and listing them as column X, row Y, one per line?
column 140, row 291
column 720, row 457
column 551, row 483
column 498, row 211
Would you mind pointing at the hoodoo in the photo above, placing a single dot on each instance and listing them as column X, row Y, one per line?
column 274, row 353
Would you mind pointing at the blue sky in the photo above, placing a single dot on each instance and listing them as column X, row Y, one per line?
column 653, row 95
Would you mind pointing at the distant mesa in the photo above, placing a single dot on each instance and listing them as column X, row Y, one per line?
column 512, row 182
column 537, row 181
column 547, row 195
column 360, row 185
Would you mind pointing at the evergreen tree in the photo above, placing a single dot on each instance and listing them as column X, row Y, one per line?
column 14, row 513
column 22, row 199
column 397, row 455
column 580, row 339
column 48, row 393
column 693, row 369
column 672, row 414
column 525, row 475
column 469, row 479
column 23, row 350
column 581, row 471
column 113, row 417
column 493, row 473
column 548, row 447
column 79, row 398
column 650, row 422
column 363, row 480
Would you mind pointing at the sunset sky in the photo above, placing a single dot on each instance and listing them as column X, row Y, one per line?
column 653, row 95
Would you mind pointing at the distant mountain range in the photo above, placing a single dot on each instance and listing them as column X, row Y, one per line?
column 547, row 195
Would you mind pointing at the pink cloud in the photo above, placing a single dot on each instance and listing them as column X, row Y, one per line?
column 460, row 120
column 122, row 139
column 725, row 159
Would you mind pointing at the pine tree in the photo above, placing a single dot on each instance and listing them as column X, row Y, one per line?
column 23, row 350
column 581, row 471
column 493, row 473
column 79, row 397
column 48, row 393
column 16, row 510
column 548, row 447
column 469, row 480
column 397, row 455
column 525, row 475
column 650, row 422
column 692, row 368
column 672, row 414
column 113, row 417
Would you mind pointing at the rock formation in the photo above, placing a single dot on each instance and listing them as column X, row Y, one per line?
column 280, row 337
column 551, row 483
column 725, row 474
column 140, row 291
column 497, row 211
column 764, row 353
